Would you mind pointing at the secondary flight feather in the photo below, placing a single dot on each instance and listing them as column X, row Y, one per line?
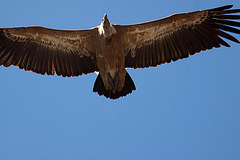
column 109, row 49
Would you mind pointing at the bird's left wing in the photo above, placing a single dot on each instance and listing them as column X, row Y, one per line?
column 177, row 36
column 49, row 51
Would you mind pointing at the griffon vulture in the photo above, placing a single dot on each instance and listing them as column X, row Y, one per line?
column 109, row 49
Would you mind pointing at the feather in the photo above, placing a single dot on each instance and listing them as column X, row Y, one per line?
column 221, row 8
column 232, row 23
column 227, row 28
column 226, row 16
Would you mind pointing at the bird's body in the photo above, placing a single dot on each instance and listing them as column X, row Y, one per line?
column 110, row 58
column 109, row 49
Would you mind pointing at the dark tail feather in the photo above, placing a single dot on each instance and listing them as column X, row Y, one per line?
column 100, row 88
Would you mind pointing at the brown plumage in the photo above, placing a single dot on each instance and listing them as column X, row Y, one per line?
column 109, row 49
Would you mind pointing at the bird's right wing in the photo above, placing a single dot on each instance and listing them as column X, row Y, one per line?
column 49, row 51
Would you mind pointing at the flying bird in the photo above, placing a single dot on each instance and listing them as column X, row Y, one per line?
column 109, row 48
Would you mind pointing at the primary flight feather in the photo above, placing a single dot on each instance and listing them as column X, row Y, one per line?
column 109, row 49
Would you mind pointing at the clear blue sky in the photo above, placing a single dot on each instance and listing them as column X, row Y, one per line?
column 185, row 110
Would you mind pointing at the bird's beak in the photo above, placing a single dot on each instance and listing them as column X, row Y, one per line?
column 105, row 16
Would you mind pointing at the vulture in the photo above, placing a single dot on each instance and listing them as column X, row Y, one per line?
column 109, row 48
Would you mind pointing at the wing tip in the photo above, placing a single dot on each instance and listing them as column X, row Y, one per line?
column 221, row 8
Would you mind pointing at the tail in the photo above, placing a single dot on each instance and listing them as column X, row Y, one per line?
column 100, row 88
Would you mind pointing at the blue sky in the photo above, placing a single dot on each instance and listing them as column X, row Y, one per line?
column 188, row 109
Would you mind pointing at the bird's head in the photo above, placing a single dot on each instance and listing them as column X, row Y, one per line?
column 105, row 21
column 106, row 28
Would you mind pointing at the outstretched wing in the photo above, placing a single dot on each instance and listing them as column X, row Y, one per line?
column 177, row 36
column 48, row 51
